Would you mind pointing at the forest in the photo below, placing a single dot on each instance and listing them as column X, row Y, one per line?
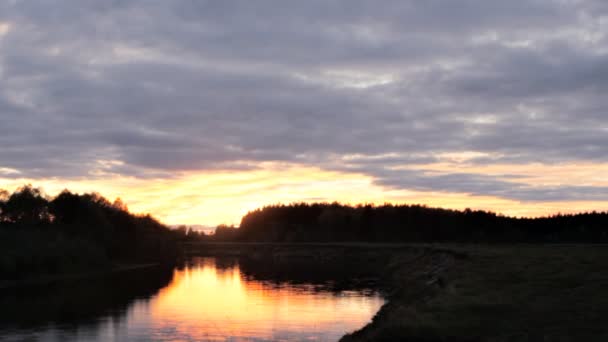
column 42, row 235
column 74, row 233
column 331, row 222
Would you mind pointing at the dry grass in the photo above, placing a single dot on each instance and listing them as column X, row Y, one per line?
column 498, row 293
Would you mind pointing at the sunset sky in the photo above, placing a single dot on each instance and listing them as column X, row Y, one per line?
column 198, row 111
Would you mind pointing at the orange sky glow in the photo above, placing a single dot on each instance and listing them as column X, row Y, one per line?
column 212, row 198
column 443, row 104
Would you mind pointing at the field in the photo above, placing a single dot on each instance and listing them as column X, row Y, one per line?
column 450, row 292
column 497, row 293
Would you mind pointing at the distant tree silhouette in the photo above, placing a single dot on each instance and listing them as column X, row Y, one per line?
column 411, row 223
column 225, row 233
column 27, row 205
column 4, row 195
column 120, row 205
column 71, row 232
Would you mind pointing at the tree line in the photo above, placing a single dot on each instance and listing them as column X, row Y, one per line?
column 327, row 222
column 71, row 232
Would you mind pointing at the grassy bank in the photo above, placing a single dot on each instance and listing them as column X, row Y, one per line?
column 495, row 293
column 82, row 301
column 45, row 279
column 30, row 253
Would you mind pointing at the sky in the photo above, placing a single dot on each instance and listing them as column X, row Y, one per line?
column 199, row 111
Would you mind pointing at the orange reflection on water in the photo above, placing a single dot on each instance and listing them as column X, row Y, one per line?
column 204, row 302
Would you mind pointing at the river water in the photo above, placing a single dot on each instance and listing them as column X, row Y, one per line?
column 207, row 299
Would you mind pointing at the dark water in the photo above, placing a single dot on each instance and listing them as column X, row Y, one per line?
column 208, row 299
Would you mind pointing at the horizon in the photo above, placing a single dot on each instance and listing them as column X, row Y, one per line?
column 327, row 170
column 200, row 112
column 211, row 228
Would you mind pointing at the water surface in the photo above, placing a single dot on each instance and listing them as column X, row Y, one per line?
column 209, row 299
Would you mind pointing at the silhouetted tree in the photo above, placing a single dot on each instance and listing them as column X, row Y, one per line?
column 225, row 233
column 4, row 195
column 26, row 206
column 72, row 232
column 412, row 223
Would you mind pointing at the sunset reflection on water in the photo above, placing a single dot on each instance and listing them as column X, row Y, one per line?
column 211, row 303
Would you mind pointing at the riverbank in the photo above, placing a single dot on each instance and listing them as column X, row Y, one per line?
column 450, row 292
column 52, row 278
column 79, row 301
column 495, row 293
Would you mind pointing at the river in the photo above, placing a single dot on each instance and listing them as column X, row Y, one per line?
column 206, row 299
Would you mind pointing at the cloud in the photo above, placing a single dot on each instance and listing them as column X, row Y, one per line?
column 163, row 87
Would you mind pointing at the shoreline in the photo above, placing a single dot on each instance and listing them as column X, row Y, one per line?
column 441, row 292
column 496, row 293
column 424, row 276
column 421, row 266
column 48, row 279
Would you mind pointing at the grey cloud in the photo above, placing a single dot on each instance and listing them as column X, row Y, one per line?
column 198, row 85
column 504, row 186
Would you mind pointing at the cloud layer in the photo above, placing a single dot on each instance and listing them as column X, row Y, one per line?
column 151, row 88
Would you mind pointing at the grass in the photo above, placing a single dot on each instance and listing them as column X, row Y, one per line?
column 497, row 293
column 33, row 253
